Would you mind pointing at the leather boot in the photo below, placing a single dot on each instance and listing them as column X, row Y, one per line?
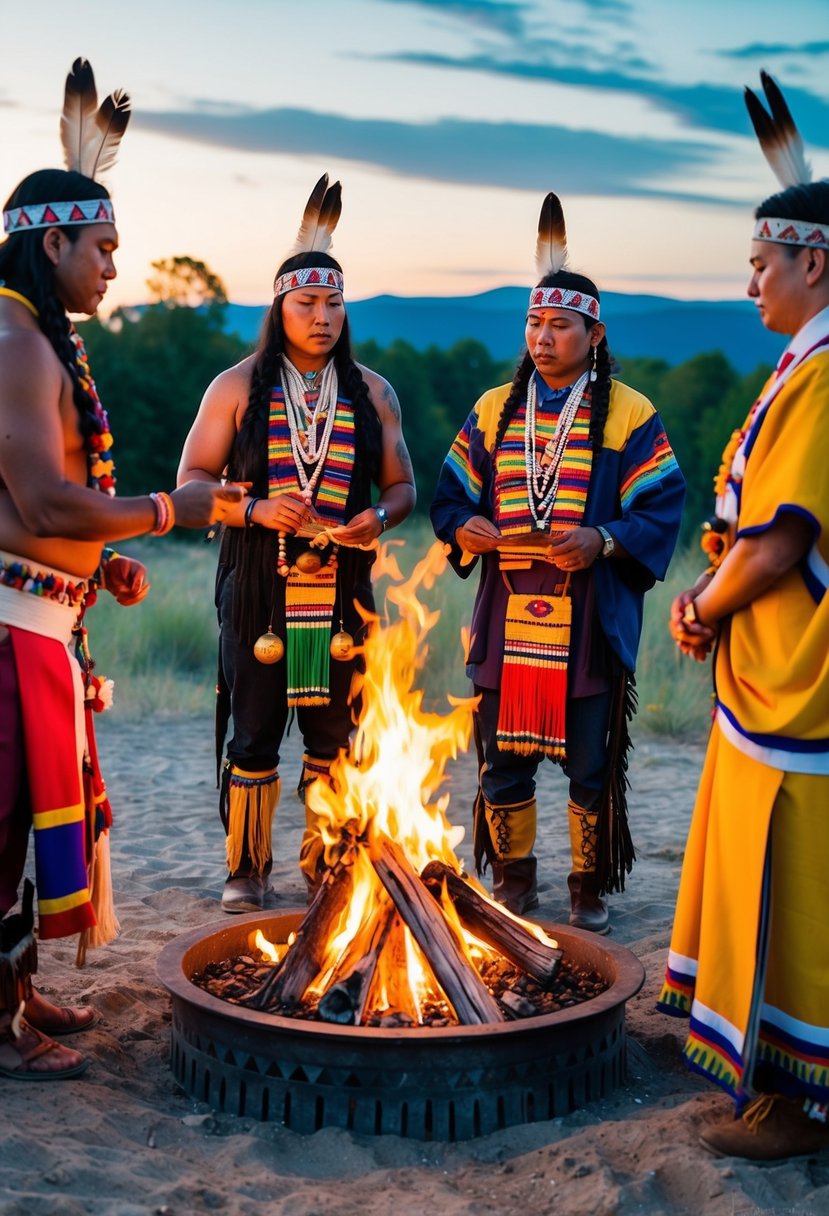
column 587, row 909
column 512, row 833
column 771, row 1128
column 248, row 803
column 514, row 884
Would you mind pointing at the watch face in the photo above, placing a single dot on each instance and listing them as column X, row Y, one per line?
column 608, row 547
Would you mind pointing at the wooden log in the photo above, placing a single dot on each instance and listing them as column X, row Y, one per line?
column 344, row 1001
column 471, row 1000
column 492, row 925
column 304, row 961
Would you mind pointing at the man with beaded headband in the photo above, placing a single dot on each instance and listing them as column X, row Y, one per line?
column 565, row 486
column 749, row 954
column 310, row 431
column 57, row 508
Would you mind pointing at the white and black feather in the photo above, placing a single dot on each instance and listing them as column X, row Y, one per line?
column 779, row 138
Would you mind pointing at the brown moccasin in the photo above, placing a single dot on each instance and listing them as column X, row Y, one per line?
column 770, row 1128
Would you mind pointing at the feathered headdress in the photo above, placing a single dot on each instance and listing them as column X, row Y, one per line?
column 90, row 136
column 315, row 235
column 551, row 257
column 782, row 146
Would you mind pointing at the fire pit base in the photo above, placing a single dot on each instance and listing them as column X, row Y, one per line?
column 442, row 1083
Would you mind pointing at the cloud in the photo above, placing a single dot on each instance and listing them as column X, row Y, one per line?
column 496, row 15
column 513, row 155
column 758, row 49
column 706, row 107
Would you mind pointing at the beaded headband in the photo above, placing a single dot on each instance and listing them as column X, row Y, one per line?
column 559, row 297
column 48, row 215
column 782, row 146
column 792, row 232
column 308, row 276
column 90, row 136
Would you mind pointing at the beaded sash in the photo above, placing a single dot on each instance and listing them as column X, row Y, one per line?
column 532, row 711
column 309, row 598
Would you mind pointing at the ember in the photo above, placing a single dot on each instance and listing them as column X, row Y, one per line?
column 520, row 996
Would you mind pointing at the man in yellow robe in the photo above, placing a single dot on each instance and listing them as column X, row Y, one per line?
column 749, row 957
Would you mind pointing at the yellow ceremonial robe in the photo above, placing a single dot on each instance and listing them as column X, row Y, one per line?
column 749, row 957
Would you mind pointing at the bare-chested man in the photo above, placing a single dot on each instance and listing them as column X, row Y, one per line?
column 57, row 510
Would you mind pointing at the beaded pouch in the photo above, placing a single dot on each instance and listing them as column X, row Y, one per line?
column 534, row 676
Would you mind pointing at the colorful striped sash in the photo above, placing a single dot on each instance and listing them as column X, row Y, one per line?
column 537, row 628
column 50, row 703
column 511, row 505
column 309, row 598
column 332, row 488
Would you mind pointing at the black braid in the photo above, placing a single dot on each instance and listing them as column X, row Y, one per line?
column 600, row 395
column 516, row 396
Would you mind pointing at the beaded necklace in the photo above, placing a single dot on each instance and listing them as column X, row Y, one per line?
column 309, row 448
column 543, row 475
column 100, row 467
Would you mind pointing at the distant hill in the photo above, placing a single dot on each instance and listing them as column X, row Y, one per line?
column 638, row 326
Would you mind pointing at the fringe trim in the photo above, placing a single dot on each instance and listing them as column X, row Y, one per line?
column 482, row 850
column 250, row 800
column 101, row 894
column 615, row 853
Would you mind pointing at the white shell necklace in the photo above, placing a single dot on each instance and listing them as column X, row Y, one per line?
column 543, row 475
column 309, row 448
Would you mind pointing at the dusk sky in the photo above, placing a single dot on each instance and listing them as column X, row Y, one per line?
column 446, row 123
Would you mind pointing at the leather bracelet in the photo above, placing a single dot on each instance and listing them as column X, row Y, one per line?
column 250, row 522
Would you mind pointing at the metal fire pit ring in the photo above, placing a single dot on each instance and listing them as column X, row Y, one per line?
column 442, row 1083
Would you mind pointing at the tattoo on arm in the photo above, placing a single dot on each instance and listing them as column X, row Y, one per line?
column 404, row 460
column 390, row 397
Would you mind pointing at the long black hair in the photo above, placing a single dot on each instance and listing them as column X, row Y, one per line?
column 600, row 388
column 24, row 267
column 252, row 551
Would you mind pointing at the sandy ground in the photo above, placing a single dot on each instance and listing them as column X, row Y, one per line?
column 124, row 1138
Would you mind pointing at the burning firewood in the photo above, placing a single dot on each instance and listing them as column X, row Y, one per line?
column 303, row 962
column 345, row 999
column 493, row 925
column 472, row 1001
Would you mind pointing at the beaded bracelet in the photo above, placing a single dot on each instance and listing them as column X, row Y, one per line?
column 165, row 514
column 250, row 522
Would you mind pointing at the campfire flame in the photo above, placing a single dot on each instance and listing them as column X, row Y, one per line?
column 386, row 791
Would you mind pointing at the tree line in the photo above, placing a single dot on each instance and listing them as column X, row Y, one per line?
column 152, row 367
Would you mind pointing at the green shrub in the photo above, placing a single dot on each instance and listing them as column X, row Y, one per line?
column 162, row 653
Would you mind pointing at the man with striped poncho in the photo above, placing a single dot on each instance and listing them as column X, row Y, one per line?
column 565, row 485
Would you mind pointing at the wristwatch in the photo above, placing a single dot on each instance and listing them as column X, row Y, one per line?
column 383, row 516
column 608, row 543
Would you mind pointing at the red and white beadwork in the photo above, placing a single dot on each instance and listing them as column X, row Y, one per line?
column 792, row 232
column 48, row 215
column 560, row 297
column 308, row 276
